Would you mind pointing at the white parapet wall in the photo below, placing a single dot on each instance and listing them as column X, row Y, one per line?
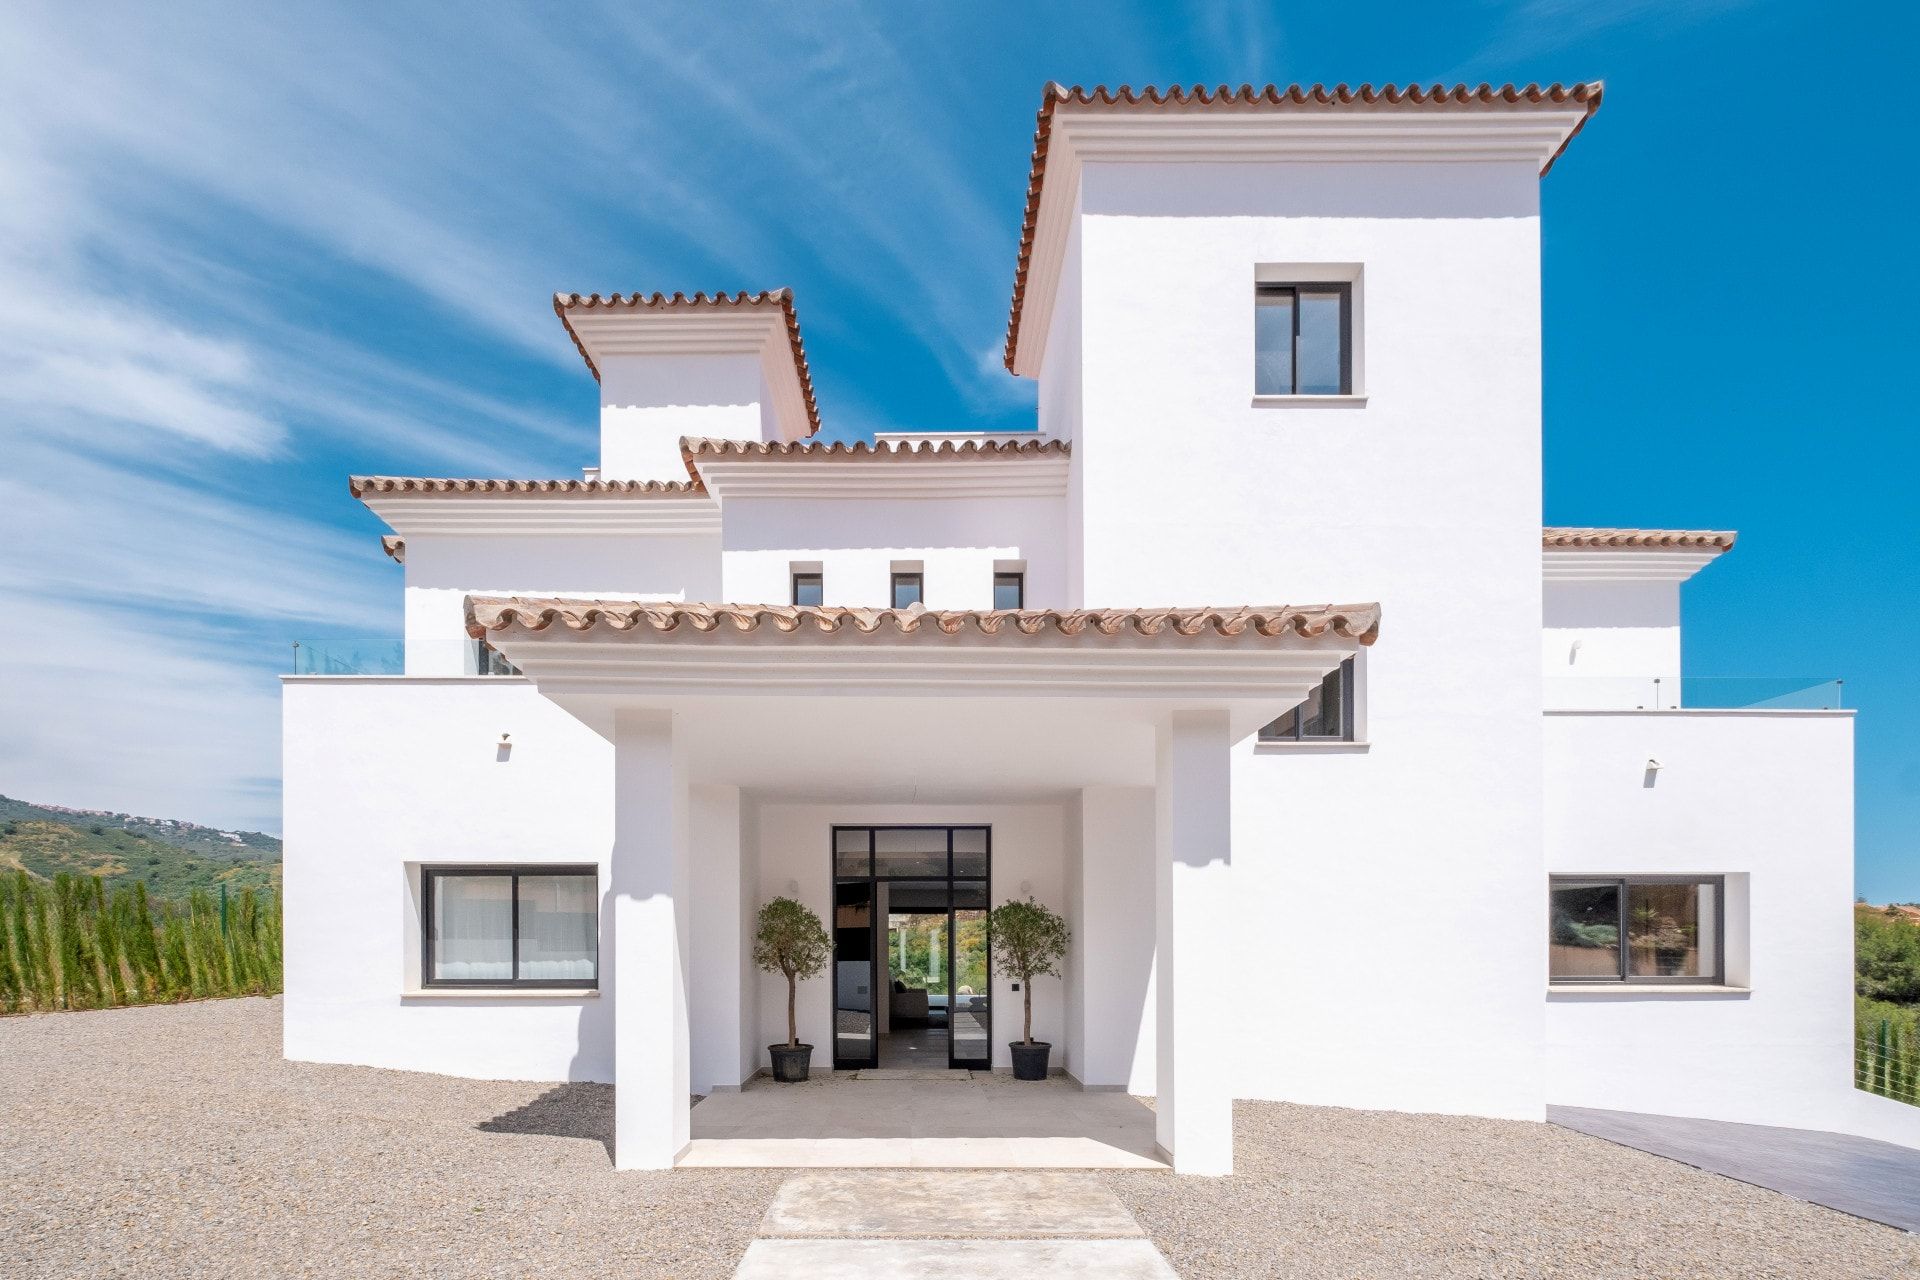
column 383, row 774
column 1766, row 800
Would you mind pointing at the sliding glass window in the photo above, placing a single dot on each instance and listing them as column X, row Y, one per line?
column 490, row 926
column 1649, row 929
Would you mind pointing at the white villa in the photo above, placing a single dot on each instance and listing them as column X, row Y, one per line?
column 1357, row 786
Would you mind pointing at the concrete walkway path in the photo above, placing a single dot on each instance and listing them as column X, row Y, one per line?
column 953, row 1223
column 1874, row 1180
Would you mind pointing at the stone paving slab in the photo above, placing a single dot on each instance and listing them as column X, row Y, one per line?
column 954, row 1260
column 1874, row 1180
column 952, row 1204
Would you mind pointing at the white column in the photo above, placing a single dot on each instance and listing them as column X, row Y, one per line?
column 720, row 926
column 1193, row 943
column 648, row 937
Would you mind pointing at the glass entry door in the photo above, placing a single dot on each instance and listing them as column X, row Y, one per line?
column 910, row 947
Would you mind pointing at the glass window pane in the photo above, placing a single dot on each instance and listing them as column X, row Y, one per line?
column 1663, row 930
column 1324, row 713
column 808, row 589
column 972, row 990
column 1009, row 589
column 1584, row 931
column 559, row 927
column 1273, row 343
column 1287, row 727
column 906, row 590
column 910, row 851
column 850, row 852
column 1322, row 335
column 473, row 928
column 970, row 851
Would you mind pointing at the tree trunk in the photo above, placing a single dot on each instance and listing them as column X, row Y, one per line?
column 1026, row 992
column 793, row 1033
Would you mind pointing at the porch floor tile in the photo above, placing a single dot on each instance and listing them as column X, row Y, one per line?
column 953, row 1259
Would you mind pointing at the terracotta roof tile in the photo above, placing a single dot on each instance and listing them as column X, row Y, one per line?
column 693, row 448
column 1707, row 539
column 361, row 486
column 485, row 614
column 395, row 546
column 1293, row 97
column 781, row 298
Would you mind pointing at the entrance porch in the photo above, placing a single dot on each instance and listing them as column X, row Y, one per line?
column 921, row 1119
column 1093, row 748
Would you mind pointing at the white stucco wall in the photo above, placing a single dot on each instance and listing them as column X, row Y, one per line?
column 793, row 856
column 1604, row 642
column 956, row 542
column 647, row 402
column 1112, row 973
column 442, row 570
column 381, row 774
column 1424, row 497
column 1767, row 797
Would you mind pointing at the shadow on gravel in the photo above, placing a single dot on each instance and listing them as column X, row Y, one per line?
column 564, row 1111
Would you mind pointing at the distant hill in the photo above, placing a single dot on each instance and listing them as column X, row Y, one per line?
column 172, row 857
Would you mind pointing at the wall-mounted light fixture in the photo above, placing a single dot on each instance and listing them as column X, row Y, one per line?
column 1654, row 766
column 503, row 749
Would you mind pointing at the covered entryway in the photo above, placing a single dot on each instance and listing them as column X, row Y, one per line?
column 742, row 734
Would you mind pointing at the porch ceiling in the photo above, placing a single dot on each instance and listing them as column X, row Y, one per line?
column 918, row 704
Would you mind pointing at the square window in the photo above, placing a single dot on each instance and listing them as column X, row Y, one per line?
column 1303, row 339
column 809, row 589
column 906, row 590
column 1009, row 590
column 1326, row 715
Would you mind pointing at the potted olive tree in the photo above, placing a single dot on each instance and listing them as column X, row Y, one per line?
column 790, row 939
column 1029, row 941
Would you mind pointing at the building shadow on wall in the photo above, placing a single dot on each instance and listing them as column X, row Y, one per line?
column 575, row 1110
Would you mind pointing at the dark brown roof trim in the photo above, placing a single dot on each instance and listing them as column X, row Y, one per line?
column 1413, row 95
column 486, row 614
column 782, row 298
column 361, row 486
column 1701, row 539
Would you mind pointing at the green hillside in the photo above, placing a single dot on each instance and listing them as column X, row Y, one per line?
column 171, row 858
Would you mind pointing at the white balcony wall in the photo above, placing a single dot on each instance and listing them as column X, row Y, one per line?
column 442, row 570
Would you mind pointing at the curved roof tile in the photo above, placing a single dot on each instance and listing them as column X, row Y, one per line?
column 1704, row 539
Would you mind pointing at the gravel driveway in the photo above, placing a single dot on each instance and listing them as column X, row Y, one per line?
column 174, row 1140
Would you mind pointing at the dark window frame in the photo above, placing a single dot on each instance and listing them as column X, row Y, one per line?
column 1717, row 977
column 513, row 872
column 1018, row 578
column 1348, row 673
column 1345, row 290
column 489, row 661
column 818, row 578
column 919, row 579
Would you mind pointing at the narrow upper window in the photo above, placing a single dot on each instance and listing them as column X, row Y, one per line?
column 906, row 590
column 1636, row 929
column 1009, row 590
column 489, row 661
column 497, row 926
column 809, row 589
column 1303, row 339
column 1326, row 715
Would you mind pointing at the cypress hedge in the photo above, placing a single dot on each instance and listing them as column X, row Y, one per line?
column 69, row 943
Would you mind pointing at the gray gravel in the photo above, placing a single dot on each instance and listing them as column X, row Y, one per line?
column 174, row 1140
column 1321, row 1192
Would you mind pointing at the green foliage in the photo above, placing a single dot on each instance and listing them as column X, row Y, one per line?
column 1886, row 955
column 1029, row 941
column 77, row 943
column 788, row 938
column 1887, row 1049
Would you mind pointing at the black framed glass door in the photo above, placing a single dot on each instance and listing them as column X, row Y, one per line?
column 911, row 951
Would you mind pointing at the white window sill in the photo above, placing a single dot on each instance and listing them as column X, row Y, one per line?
column 500, row 993
column 1311, row 746
column 1310, row 402
column 1644, row 989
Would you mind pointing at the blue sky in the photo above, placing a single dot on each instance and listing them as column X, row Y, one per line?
column 247, row 250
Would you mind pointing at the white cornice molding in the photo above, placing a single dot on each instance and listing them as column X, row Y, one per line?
column 1084, row 134
column 897, row 476
column 521, row 515
column 1624, row 564
column 607, row 335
